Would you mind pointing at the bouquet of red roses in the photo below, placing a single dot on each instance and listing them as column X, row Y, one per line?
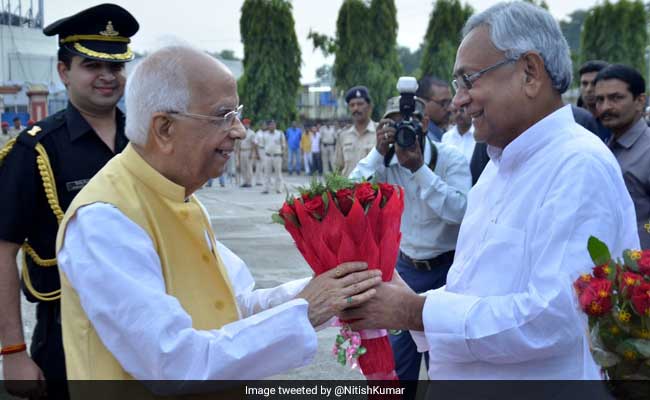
column 616, row 297
column 341, row 221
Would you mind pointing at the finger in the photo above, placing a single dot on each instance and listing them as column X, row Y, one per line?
column 357, row 277
column 357, row 299
column 360, row 287
column 346, row 268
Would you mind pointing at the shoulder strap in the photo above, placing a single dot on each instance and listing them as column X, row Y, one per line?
column 434, row 154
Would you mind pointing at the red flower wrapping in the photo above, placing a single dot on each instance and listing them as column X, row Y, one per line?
column 596, row 298
column 641, row 299
column 360, row 230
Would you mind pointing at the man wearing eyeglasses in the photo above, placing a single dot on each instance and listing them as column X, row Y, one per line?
column 437, row 96
column 172, row 303
column 508, row 310
column 43, row 169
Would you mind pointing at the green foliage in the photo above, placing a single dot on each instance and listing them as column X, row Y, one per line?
column 365, row 49
column 443, row 37
column 271, row 80
column 616, row 33
column 541, row 3
column 410, row 61
column 598, row 251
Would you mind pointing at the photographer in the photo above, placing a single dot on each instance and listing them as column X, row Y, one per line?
column 436, row 180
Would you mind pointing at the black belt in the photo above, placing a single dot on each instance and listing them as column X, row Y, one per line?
column 329, row 144
column 273, row 155
column 443, row 260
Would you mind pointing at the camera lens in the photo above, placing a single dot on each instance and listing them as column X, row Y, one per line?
column 405, row 136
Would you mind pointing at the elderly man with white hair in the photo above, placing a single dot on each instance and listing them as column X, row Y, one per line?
column 147, row 291
column 508, row 310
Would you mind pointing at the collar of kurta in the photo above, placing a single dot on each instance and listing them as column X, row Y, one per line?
column 531, row 140
column 628, row 139
column 149, row 176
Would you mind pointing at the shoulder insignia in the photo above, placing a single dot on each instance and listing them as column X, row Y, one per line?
column 35, row 129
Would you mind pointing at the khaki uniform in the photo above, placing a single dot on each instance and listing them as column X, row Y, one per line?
column 274, row 145
column 328, row 147
column 258, row 163
column 245, row 155
column 352, row 147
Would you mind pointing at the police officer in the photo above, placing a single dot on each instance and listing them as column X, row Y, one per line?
column 356, row 142
column 44, row 168
column 328, row 141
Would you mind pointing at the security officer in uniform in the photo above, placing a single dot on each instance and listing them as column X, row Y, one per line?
column 356, row 142
column 44, row 168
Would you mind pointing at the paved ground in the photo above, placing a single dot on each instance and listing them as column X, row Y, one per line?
column 241, row 219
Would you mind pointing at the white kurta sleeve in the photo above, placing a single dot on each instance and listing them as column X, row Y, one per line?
column 370, row 165
column 446, row 197
column 111, row 263
column 543, row 320
column 252, row 301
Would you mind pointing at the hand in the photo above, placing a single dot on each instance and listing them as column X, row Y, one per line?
column 348, row 285
column 385, row 135
column 395, row 306
column 410, row 157
column 22, row 377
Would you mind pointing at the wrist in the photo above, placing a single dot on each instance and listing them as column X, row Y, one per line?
column 415, row 306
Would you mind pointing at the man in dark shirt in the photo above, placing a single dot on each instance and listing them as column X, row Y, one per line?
column 621, row 99
column 587, row 100
column 42, row 170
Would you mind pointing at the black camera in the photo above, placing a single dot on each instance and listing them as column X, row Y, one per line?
column 409, row 129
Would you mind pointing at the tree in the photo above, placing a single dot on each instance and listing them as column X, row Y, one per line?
column 410, row 60
column 443, row 37
column 571, row 30
column 616, row 33
column 365, row 48
column 227, row 55
column 271, row 79
column 385, row 67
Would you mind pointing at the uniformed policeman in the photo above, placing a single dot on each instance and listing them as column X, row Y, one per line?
column 43, row 169
column 244, row 149
column 358, row 140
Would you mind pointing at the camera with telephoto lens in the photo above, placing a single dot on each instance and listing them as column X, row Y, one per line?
column 409, row 128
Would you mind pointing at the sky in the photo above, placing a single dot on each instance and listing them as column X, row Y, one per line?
column 213, row 25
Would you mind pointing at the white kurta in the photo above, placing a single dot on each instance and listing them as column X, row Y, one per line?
column 465, row 142
column 102, row 244
column 508, row 310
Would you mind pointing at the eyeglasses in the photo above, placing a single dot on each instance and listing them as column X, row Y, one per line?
column 229, row 117
column 467, row 81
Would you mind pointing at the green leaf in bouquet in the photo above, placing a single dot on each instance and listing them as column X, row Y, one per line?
column 326, row 201
column 642, row 346
column 629, row 261
column 611, row 275
column 628, row 350
column 601, row 354
column 598, row 251
column 335, row 182
column 277, row 219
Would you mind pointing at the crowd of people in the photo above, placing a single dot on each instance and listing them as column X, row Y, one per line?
column 503, row 185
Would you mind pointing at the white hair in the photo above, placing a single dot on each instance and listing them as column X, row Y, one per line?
column 518, row 27
column 158, row 83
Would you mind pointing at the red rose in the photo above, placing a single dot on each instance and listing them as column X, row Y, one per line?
column 596, row 298
column 602, row 271
column 641, row 299
column 315, row 207
column 345, row 198
column 581, row 283
column 288, row 213
column 628, row 281
column 644, row 262
column 365, row 193
column 386, row 190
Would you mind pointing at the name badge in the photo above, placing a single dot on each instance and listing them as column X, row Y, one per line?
column 76, row 185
